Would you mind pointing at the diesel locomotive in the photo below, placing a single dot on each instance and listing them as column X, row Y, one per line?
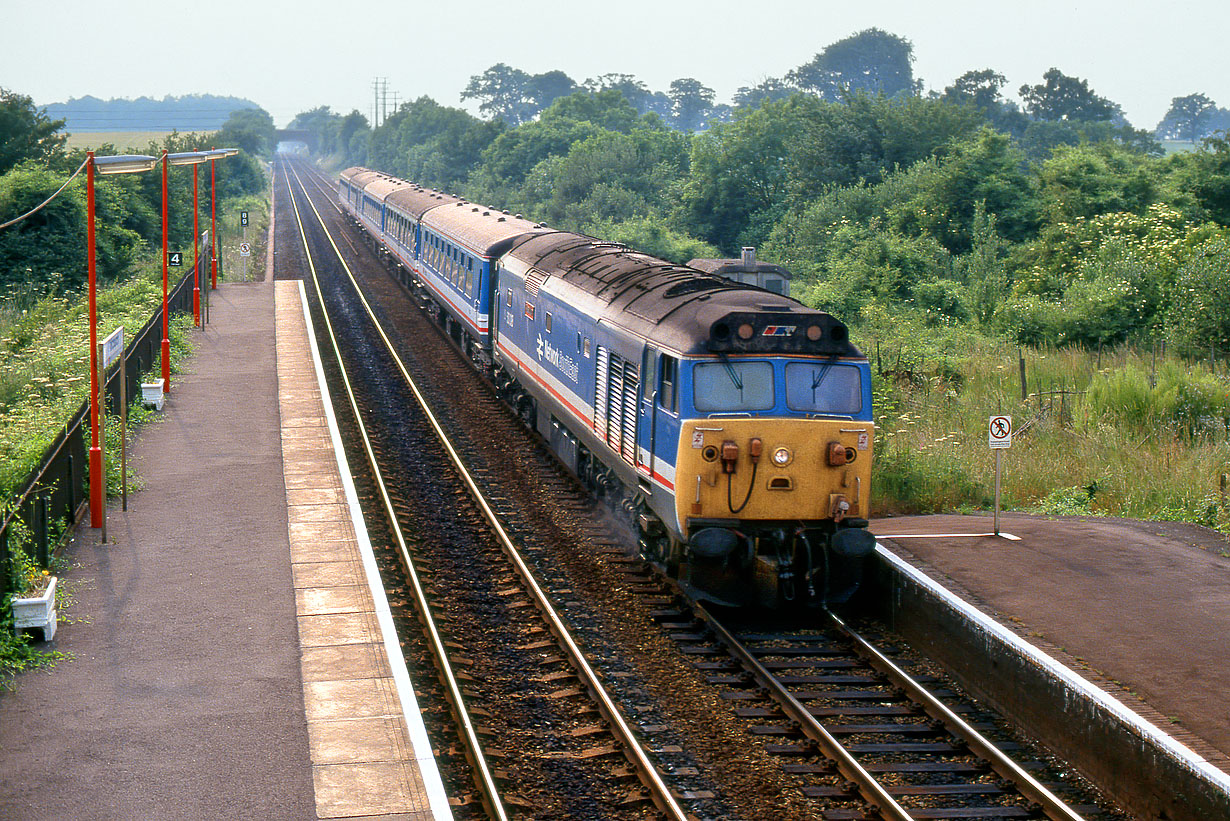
column 732, row 425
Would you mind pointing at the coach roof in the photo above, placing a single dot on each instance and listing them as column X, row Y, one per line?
column 416, row 200
column 485, row 230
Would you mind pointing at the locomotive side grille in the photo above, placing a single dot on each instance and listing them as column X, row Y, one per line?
column 631, row 388
column 615, row 406
column 615, row 397
column 601, row 392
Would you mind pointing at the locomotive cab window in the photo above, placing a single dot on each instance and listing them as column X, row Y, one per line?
column 667, row 394
column 824, row 387
column 733, row 386
column 547, row 321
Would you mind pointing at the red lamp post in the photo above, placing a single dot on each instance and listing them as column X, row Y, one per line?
column 184, row 158
column 196, row 247
column 215, row 154
column 213, row 219
column 125, row 164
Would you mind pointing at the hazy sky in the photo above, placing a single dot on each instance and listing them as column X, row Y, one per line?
column 291, row 56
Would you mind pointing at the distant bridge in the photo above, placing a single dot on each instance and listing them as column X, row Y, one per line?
column 287, row 135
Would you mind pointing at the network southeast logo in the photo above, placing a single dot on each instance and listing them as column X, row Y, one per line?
column 562, row 361
column 779, row 330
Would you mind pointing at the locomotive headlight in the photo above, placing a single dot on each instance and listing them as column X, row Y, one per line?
column 782, row 457
column 814, row 333
column 746, row 331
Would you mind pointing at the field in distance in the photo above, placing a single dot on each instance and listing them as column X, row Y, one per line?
column 122, row 140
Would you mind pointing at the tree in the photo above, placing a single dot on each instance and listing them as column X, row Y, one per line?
column 513, row 95
column 25, row 132
column 1199, row 317
column 691, row 103
column 503, row 92
column 766, row 91
column 869, row 135
column 545, row 89
column 251, row 130
column 872, row 60
column 637, row 93
column 1205, row 172
column 981, row 88
column 608, row 109
column 1188, row 118
column 1063, row 98
column 1083, row 181
column 738, row 182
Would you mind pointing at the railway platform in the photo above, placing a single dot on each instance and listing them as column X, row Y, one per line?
column 233, row 652
column 1133, row 614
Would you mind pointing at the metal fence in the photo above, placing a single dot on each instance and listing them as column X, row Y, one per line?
column 57, row 488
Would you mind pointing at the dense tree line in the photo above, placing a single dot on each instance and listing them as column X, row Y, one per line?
column 1049, row 220
column 45, row 253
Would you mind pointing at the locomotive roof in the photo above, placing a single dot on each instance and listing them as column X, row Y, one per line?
column 486, row 230
column 682, row 308
column 352, row 170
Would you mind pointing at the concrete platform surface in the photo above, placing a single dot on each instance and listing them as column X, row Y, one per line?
column 1139, row 608
column 186, row 695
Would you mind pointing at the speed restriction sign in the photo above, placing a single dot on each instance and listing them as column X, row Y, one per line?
column 999, row 432
column 245, row 249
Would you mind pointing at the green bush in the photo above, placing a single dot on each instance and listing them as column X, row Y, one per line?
column 1184, row 402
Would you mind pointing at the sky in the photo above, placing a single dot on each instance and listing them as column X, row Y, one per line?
column 290, row 57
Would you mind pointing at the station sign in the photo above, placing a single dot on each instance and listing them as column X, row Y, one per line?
column 999, row 432
column 175, row 259
column 245, row 249
column 113, row 346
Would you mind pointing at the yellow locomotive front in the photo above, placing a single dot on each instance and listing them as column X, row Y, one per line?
column 772, row 467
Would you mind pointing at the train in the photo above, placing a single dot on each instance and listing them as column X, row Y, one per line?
column 730, row 424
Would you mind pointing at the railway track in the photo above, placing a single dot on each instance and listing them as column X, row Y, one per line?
column 501, row 588
column 718, row 728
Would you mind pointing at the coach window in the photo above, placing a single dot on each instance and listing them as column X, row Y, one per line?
column 469, row 281
column 667, row 392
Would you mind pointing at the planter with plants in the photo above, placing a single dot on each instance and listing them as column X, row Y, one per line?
column 36, row 608
column 33, row 602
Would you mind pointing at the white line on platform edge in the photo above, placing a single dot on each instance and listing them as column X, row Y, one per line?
column 1149, row 731
column 1007, row 536
column 436, row 796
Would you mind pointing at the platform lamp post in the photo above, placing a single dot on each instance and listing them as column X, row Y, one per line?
column 122, row 164
column 183, row 158
column 215, row 154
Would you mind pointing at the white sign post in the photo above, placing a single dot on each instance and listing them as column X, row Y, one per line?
column 999, row 437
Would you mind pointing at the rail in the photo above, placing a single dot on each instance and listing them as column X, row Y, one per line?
column 660, row 794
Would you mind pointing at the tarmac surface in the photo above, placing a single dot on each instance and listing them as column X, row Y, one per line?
column 1140, row 608
column 196, row 625
column 184, row 699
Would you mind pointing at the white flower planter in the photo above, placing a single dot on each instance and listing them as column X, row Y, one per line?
column 37, row 612
column 152, row 395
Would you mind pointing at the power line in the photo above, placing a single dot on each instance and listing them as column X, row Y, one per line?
column 40, row 206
